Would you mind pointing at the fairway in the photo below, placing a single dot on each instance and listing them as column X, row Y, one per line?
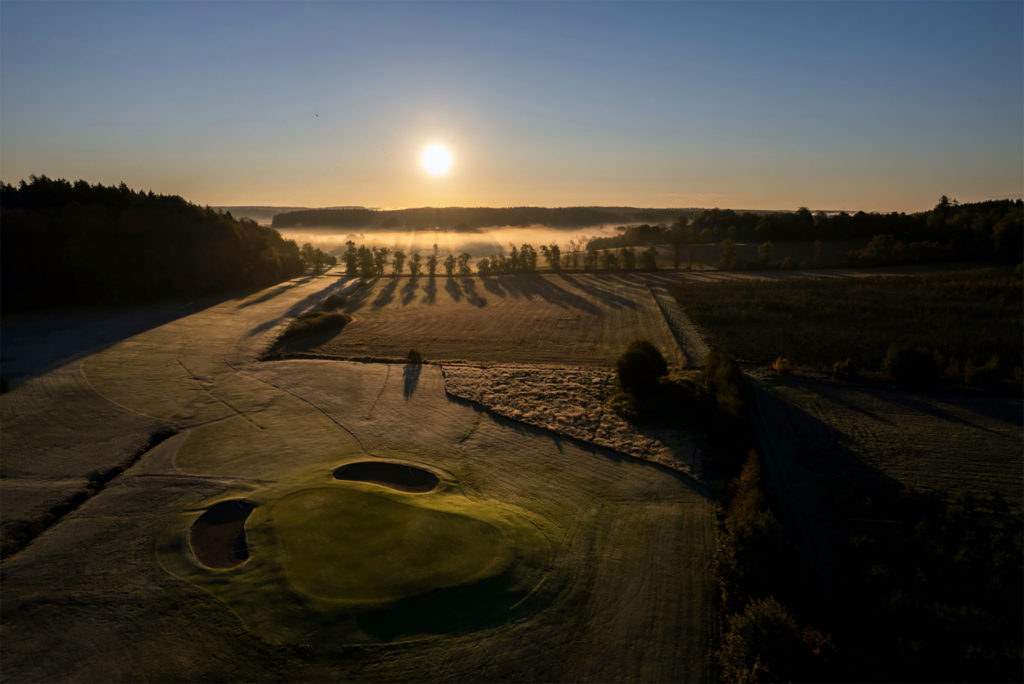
column 581, row 319
column 459, row 545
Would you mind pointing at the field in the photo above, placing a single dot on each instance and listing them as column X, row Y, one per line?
column 534, row 557
column 936, row 440
column 577, row 319
column 965, row 317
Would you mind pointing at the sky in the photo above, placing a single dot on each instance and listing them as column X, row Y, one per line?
column 875, row 106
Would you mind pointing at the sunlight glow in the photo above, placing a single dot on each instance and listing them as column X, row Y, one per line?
column 436, row 159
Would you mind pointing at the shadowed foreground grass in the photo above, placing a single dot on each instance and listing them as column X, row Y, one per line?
column 965, row 318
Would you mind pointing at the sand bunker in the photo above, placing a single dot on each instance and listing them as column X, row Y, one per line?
column 217, row 538
column 399, row 476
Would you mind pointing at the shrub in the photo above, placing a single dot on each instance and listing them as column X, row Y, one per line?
column 414, row 357
column 334, row 302
column 911, row 365
column 982, row 375
column 640, row 366
column 724, row 381
column 315, row 322
column 764, row 644
column 844, row 369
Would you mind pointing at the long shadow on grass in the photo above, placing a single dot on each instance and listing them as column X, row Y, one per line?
column 469, row 286
column 876, row 575
column 455, row 610
column 530, row 286
column 386, row 295
column 492, row 285
column 35, row 343
column 270, row 294
column 453, row 289
column 606, row 295
column 336, row 287
column 430, row 290
column 410, row 379
column 409, row 289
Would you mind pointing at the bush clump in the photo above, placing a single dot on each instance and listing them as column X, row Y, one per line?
column 911, row 365
column 335, row 302
column 640, row 367
column 844, row 369
column 315, row 322
column 414, row 357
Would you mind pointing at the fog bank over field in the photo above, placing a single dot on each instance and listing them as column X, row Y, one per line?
column 479, row 242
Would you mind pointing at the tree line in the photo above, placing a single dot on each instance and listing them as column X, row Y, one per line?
column 368, row 262
column 471, row 218
column 982, row 231
column 64, row 243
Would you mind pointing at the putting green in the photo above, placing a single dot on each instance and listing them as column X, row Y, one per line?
column 357, row 562
column 343, row 544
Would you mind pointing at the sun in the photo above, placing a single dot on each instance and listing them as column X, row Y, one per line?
column 436, row 159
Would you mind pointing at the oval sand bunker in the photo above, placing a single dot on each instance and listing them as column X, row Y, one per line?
column 398, row 476
column 217, row 537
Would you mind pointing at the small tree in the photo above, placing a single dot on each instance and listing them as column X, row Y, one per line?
column 649, row 259
column 627, row 259
column 432, row 264
column 463, row 264
column 609, row 261
column 640, row 366
column 366, row 262
column 351, row 259
column 380, row 259
column 763, row 644
column 449, row 265
column 553, row 255
column 414, row 264
column 398, row 261
column 764, row 253
column 727, row 261
column 483, row 266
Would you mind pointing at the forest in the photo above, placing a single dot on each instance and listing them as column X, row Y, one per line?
column 67, row 244
column 471, row 218
column 983, row 231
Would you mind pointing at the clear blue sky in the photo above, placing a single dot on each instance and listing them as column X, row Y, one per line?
column 861, row 105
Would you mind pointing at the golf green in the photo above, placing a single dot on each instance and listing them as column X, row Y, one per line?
column 344, row 544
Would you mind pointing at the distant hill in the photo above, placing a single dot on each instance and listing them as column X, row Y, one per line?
column 70, row 244
column 265, row 214
column 463, row 218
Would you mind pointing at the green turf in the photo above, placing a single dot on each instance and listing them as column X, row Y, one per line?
column 344, row 544
column 353, row 562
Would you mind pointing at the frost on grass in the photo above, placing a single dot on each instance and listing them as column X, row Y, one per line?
column 573, row 401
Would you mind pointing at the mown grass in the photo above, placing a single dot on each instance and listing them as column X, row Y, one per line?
column 349, row 545
column 967, row 319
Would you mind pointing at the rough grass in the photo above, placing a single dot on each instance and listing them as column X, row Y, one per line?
column 576, row 401
column 965, row 317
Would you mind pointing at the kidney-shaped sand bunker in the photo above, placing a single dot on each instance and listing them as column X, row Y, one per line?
column 398, row 476
column 217, row 537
